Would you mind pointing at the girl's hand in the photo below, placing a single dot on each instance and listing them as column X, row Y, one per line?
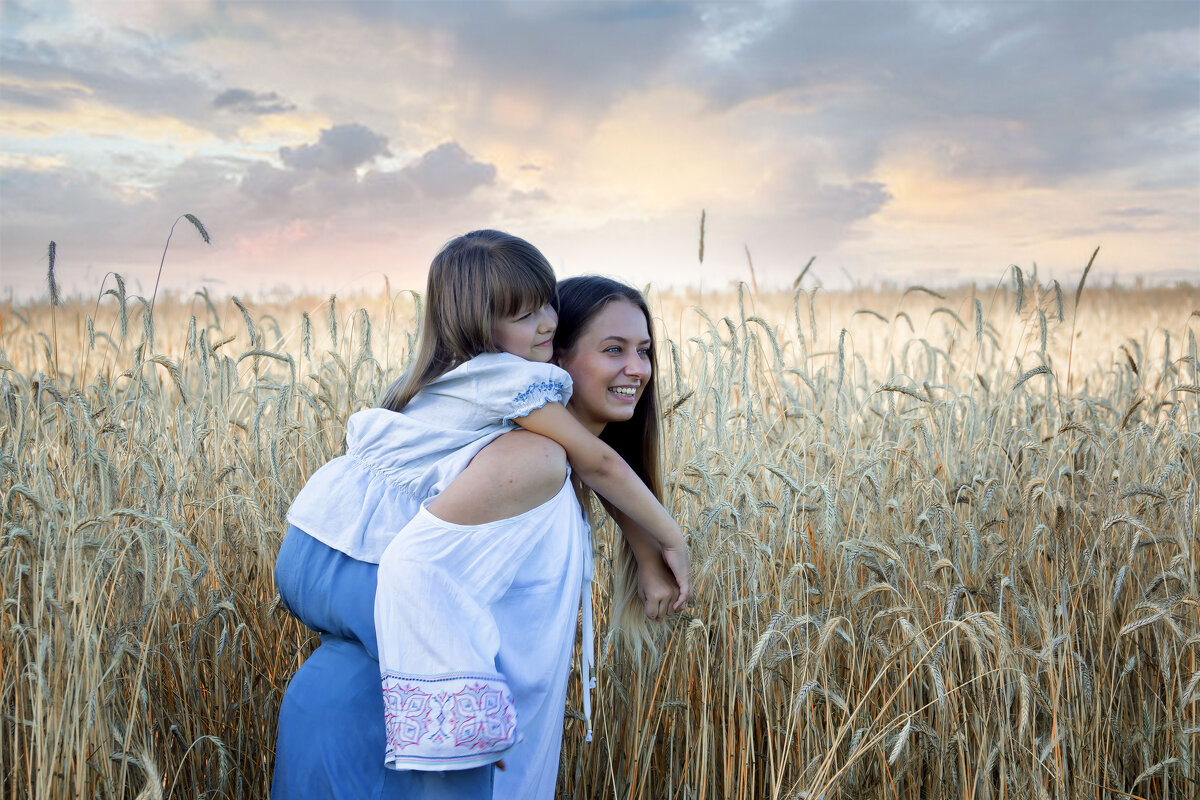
column 680, row 564
column 656, row 588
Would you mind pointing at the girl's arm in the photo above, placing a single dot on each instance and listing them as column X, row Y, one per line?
column 601, row 468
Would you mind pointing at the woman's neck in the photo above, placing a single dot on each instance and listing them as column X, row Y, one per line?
column 594, row 427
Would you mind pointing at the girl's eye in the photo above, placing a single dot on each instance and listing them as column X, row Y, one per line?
column 525, row 316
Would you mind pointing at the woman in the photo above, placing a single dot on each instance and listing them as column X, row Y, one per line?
column 603, row 340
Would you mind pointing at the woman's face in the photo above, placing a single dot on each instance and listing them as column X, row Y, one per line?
column 609, row 365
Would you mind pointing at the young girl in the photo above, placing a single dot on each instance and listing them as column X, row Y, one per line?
column 487, row 291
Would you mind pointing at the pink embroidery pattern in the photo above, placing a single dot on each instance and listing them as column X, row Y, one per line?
column 405, row 708
column 447, row 716
column 483, row 718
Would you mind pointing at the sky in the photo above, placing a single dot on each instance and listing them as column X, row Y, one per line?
column 328, row 145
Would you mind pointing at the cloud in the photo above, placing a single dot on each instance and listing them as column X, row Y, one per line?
column 791, row 122
column 449, row 171
column 317, row 191
column 1134, row 211
column 572, row 60
column 336, row 176
column 1044, row 91
column 245, row 101
column 845, row 203
column 14, row 94
column 123, row 69
column 334, row 179
column 341, row 148
column 265, row 220
column 531, row 196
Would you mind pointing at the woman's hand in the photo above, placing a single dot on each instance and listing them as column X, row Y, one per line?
column 656, row 588
column 664, row 573
column 680, row 564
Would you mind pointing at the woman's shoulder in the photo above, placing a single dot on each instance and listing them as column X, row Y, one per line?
column 522, row 448
column 533, row 469
column 533, row 463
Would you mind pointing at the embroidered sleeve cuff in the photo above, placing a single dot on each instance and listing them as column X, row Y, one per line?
column 537, row 395
column 446, row 722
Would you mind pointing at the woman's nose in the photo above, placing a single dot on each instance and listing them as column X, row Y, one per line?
column 637, row 367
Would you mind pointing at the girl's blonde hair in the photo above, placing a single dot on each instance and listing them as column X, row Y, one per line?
column 475, row 279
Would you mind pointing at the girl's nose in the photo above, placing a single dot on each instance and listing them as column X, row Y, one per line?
column 548, row 321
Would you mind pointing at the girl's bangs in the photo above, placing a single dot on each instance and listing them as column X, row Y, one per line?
column 520, row 290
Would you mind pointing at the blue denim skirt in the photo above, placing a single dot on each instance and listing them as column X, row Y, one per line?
column 331, row 738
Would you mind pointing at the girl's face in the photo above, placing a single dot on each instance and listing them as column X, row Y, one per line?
column 529, row 335
column 609, row 365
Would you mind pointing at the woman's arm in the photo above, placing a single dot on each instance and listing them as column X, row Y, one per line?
column 599, row 466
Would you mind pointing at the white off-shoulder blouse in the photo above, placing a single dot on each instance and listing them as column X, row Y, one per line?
column 476, row 627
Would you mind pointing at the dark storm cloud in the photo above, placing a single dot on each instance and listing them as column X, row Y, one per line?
column 244, row 101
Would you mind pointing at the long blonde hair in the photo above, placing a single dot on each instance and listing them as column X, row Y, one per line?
column 475, row 279
column 637, row 440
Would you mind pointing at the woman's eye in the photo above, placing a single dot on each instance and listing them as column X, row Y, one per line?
column 644, row 352
column 615, row 350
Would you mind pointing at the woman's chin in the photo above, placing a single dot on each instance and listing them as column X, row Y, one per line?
column 619, row 411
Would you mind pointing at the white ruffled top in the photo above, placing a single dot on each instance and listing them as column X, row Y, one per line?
column 394, row 460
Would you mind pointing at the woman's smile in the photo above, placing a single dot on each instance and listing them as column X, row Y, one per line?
column 610, row 365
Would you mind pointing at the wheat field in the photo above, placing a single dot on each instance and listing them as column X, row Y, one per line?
column 944, row 542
